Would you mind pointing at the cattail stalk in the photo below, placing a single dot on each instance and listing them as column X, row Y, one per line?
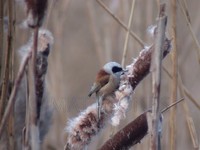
column 156, row 78
column 172, row 123
column 34, row 129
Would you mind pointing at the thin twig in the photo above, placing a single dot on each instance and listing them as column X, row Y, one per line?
column 127, row 34
column 156, row 77
column 193, row 132
column 171, row 105
column 191, row 30
column 142, row 44
column 14, row 92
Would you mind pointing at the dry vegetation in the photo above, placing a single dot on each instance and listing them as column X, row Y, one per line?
column 87, row 34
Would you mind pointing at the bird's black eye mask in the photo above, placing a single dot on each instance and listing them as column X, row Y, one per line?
column 116, row 69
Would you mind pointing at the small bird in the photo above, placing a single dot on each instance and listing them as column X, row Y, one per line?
column 106, row 82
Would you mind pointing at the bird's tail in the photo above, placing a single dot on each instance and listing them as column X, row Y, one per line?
column 90, row 94
column 95, row 88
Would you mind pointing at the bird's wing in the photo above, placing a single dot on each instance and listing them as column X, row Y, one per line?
column 100, row 83
column 104, row 80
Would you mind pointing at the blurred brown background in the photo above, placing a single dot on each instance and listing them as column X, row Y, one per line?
column 86, row 37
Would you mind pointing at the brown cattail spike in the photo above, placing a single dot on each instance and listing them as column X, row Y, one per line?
column 35, row 12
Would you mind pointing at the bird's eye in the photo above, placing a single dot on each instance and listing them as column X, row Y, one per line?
column 116, row 69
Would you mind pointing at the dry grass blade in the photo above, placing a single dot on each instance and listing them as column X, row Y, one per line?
column 193, row 132
column 156, row 77
column 187, row 93
column 172, row 135
column 173, row 104
column 191, row 30
column 142, row 44
column 185, row 90
column 127, row 34
column 51, row 5
column 186, row 10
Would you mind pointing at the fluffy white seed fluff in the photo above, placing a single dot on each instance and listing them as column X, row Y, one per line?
column 123, row 96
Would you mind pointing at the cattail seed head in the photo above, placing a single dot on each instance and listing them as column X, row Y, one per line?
column 35, row 10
